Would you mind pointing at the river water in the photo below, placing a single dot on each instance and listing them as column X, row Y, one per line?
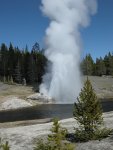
column 61, row 111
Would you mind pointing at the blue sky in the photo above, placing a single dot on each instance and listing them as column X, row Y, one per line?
column 21, row 22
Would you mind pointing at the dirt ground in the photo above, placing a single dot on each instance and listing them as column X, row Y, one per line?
column 103, row 87
column 15, row 90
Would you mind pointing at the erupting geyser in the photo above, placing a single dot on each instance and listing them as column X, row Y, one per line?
column 62, row 80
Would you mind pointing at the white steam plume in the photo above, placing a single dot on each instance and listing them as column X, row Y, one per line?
column 62, row 80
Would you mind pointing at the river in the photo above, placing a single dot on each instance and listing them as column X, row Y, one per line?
column 61, row 111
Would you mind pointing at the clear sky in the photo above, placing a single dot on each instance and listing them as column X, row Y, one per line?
column 21, row 22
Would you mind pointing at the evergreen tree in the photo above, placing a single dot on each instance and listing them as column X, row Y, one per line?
column 88, row 111
column 31, row 70
column 36, row 47
column 11, row 62
column 55, row 140
column 110, row 59
column 88, row 65
column 3, row 61
column 31, row 63
column 17, row 74
column 100, row 67
column 40, row 66
column 4, row 146
column 26, row 59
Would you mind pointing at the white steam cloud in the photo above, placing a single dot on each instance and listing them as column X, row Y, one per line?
column 62, row 80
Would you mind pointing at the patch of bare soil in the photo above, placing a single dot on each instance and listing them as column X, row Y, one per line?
column 19, row 91
column 24, row 123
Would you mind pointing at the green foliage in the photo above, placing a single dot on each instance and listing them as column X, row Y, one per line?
column 88, row 112
column 56, row 140
column 16, row 64
column 31, row 65
column 83, row 136
column 4, row 146
column 102, row 133
column 42, row 146
column 87, row 65
column 17, row 73
column 102, row 66
column 59, row 133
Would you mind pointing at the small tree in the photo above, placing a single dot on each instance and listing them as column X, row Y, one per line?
column 58, row 135
column 88, row 111
column 56, row 140
column 4, row 146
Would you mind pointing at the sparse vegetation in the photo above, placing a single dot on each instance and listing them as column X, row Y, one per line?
column 4, row 146
column 56, row 140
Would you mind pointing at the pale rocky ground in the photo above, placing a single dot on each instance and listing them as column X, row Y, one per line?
column 14, row 96
column 103, row 87
column 39, row 98
column 24, row 137
column 13, row 102
column 18, row 96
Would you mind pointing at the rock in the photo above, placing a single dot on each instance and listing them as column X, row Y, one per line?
column 40, row 98
column 13, row 102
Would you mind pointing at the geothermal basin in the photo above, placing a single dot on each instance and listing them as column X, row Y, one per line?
column 61, row 111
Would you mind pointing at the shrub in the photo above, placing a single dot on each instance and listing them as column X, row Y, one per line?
column 56, row 140
column 102, row 133
column 4, row 146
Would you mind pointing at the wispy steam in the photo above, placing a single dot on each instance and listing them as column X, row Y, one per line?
column 62, row 81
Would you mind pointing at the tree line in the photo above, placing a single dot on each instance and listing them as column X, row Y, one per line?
column 102, row 66
column 16, row 64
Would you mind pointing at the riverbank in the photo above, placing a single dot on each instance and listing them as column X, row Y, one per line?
column 27, row 114
column 24, row 137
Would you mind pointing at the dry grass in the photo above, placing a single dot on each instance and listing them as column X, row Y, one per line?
column 15, row 90
column 103, row 86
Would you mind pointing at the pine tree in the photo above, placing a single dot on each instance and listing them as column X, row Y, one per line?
column 100, row 67
column 31, row 70
column 56, row 140
column 36, row 47
column 4, row 146
column 3, row 60
column 58, row 135
column 110, row 56
column 17, row 75
column 87, row 65
column 88, row 111
column 11, row 58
